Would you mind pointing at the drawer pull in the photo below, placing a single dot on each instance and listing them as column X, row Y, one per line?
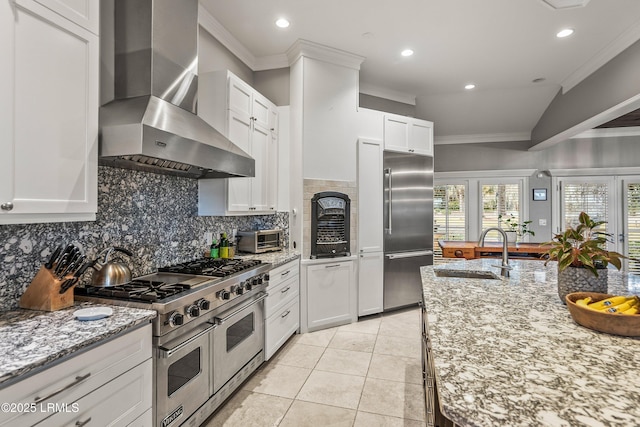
column 332, row 266
column 285, row 290
column 285, row 273
column 285, row 314
column 75, row 382
column 83, row 423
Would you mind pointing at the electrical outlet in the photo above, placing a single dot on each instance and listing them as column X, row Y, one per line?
column 208, row 237
column 542, row 222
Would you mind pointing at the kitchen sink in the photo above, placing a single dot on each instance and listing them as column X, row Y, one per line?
column 467, row 274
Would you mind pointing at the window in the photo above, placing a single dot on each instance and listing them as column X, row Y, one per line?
column 593, row 195
column 632, row 225
column 449, row 214
column 499, row 199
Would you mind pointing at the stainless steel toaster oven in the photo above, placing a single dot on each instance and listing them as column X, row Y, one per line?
column 259, row 241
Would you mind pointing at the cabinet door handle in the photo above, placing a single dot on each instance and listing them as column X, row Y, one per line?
column 284, row 291
column 331, row 266
column 83, row 423
column 75, row 382
column 285, row 273
column 285, row 314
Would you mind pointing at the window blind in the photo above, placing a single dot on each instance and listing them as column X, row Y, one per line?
column 449, row 223
column 633, row 227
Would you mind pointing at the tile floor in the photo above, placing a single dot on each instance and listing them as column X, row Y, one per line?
column 365, row 374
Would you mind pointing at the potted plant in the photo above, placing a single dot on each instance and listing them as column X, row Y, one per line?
column 582, row 257
column 514, row 229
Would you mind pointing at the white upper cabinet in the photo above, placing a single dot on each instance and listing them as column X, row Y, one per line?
column 408, row 135
column 82, row 12
column 48, row 112
column 249, row 120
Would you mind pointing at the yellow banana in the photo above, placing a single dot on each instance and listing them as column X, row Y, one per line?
column 619, row 308
column 584, row 301
column 606, row 303
column 632, row 310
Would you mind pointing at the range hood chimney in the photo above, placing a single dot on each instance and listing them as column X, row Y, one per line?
column 151, row 123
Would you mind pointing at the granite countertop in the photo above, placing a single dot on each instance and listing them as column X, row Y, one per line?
column 507, row 351
column 276, row 259
column 32, row 339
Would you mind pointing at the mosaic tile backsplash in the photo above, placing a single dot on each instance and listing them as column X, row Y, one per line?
column 154, row 216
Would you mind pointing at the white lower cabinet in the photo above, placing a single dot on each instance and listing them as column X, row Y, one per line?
column 329, row 294
column 110, row 385
column 282, row 306
column 370, row 283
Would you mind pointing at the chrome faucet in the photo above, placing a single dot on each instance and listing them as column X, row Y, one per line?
column 505, row 267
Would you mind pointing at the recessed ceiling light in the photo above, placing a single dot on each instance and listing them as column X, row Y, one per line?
column 282, row 23
column 565, row 33
column 470, row 86
column 406, row 52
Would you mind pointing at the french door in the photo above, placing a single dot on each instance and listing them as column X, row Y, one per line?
column 630, row 236
column 615, row 199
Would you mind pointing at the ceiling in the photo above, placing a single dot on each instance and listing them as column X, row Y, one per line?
column 499, row 45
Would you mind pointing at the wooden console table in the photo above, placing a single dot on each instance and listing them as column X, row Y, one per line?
column 471, row 250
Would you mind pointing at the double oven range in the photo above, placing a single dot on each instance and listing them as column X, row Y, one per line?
column 208, row 336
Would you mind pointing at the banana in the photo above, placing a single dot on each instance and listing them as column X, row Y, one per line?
column 606, row 303
column 619, row 308
column 632, row 310
column 584, row 301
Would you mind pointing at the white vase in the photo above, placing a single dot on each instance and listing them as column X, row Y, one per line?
column 512, row 236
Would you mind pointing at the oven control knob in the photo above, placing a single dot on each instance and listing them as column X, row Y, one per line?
column 224, row 294
column 176, row 319
column 259, row 279
column 204, row 304
column 247, row 285
column 266, row 277
column 254, row 281
column 239, row 290
column 193, row 311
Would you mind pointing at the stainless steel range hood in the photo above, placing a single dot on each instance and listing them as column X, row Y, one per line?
column 151, row 123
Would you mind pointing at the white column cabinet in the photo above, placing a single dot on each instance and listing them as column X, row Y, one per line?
column 329, row 297
column 48, row 110
column 408, row 135
column 249, row 120
column 370, row 283
column 370, row 227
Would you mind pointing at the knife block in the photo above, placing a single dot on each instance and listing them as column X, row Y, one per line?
column 43, row 293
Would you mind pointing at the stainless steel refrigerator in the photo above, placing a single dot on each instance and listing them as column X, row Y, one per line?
column 408, row 226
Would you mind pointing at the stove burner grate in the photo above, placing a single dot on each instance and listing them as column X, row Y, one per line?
column 214, row 267
column 137, row 290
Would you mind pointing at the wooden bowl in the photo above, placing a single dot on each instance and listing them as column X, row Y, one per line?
column 610, row 323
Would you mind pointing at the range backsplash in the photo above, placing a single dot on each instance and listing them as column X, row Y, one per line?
column 154, row 216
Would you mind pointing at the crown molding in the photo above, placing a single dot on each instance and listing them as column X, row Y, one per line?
column 609, row 132
column 381, row 92
column 482, row 138
column 217, row 30
column 271, row 62
column 500, row 173
column 323, row 53
column 626, row 39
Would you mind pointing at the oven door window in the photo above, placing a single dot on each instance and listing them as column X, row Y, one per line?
column 240, row 331
column 183, row 370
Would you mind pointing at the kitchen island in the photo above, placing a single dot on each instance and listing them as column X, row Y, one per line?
column 506, row 352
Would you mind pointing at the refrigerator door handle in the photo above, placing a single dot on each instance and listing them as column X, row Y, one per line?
column 409, row 254
column 387, row 171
